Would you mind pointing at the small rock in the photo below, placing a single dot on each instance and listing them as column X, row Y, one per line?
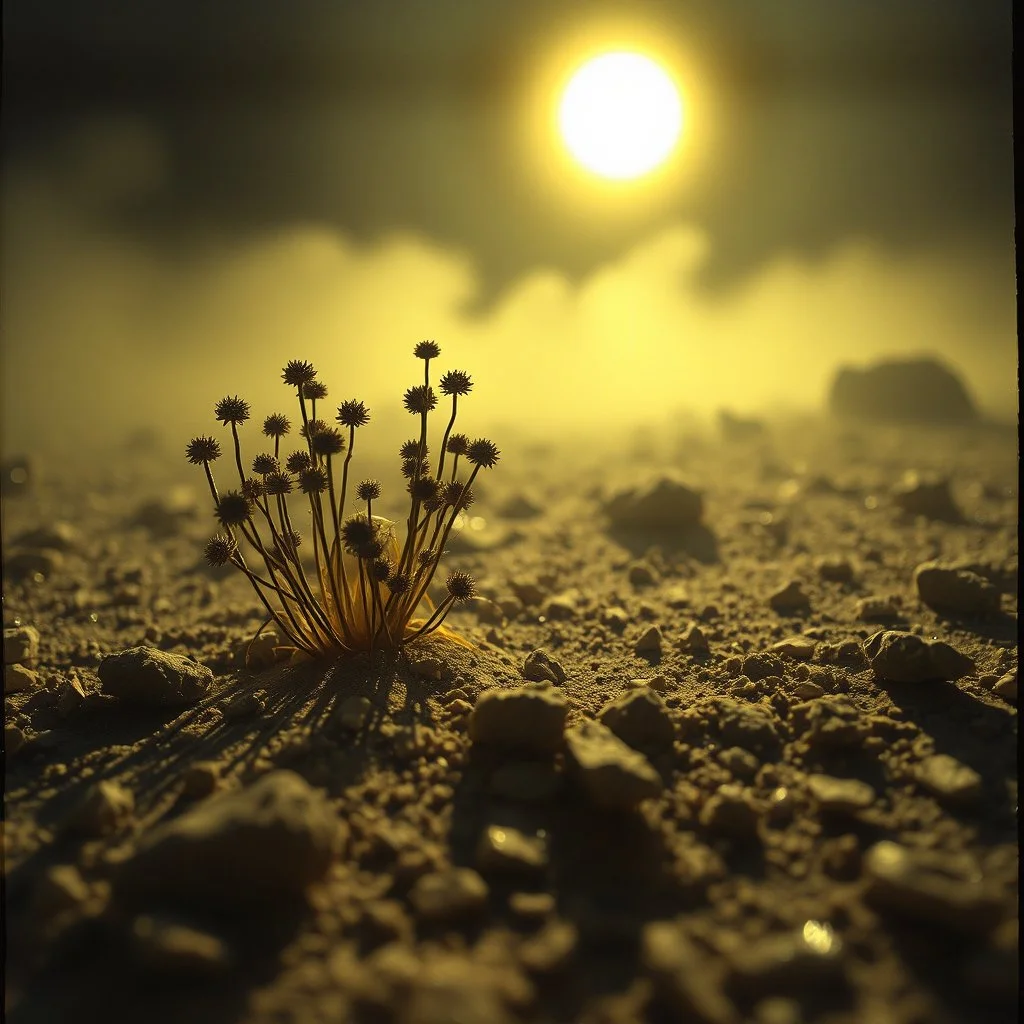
column 694, row 640
column 1006, row 687
column 17, row 678
column 665, row 504
column 530, row 594
column 448, row 895
column 21, row 645
column 612, row 774
column 531, row 905
column 615, row 618
column 760, row 665
column 14, row 739
column 527, row 781
column 847, row 795
column 23, row 565
column 172, row 947
column 876, row 609
column 948, row 779
column 563, row 606
column 353, row 713
column 830, row 723
column 58, row 536
column 507, row 849
column 149, row 677
column 641, row 719
column 539, row 667
column 267, row 842
column 260, row 653
column 676, row 596
column 905, row 882
column 642, row 575
column 649, row 642
column 740, row 762
column 908, row 658
column 926, row 495
column 808, row 690
column 426, row 666
column 244, row 705
column 684, row 977
column 384, row 921
column 105, row 807
column 71, row 697
column 799, row 648
column 810, row 956
column 731, row 812
column 947, row 589
column 551, row 949
column 743, row 725
column 789, row 600
column 531, row 716
column 835, row 569
column 201, row 778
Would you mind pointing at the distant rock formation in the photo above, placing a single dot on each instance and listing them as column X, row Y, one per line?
column 920, row 390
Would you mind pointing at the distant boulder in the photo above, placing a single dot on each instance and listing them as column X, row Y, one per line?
column 902, row 390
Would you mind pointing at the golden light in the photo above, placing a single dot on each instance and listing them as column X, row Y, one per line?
column 620, row 115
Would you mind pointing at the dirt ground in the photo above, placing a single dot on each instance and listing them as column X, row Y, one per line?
column 774, row 834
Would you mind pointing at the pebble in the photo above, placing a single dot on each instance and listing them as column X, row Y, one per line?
column 353, row 713
column 731, row 811
column 642, row 575
column 683, row 976
column 71, row 697
column 908, row 658
column 17, row 679
column 1006, row 687
column 148, row 677
column 530, row 716
column 105, row 807
column 244, row 705
column 950, row 589
column 694, row 640
column 799, row 648
column 903, row 881
column 563, row 606
column 259, row 653
column 834, row 794
column 170, row 946
column 611, row 773
column 14, row 739
column 615, row 617
column 926, row 495
column 949, row 780
column 648, row 642
column 740, row 762
column 876, row 609
column 383, row 921
column 665, row 504
column 830, row 722
column 789, row 599
column 641, row 719
column 539, row 667
column 200, row 779
column 810, row 955
column 448, row 895
column 745, row 725
column 551, row 949
column 834, row 569
column 530, row 594
column 266, row 842
column 502, row 848
column 527, row 781
column 21, row 645
column 761, row 665
column 807, row 689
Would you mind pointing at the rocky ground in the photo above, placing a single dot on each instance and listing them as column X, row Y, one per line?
column 737, row 743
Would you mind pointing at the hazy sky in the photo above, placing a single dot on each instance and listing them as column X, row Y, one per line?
column 174, row 171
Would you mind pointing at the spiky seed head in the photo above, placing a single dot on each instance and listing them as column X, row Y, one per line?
column 289, row 542
column 424, row 488
column 458, row 444
column 220, row 549
column 357, row 534
column 368, row 490
column 313, row 480
column 253, row 488
column 457, row 494
column 382, row 569
column 434, row 503
column 297, row 462
column 425, row 557
column 420, row 399
column 314, row 389
column 233, row 509
column 482, row 452
column 400, row 583
column 411, row 450
column 353, row 414
column 328, row 441
column 276, row 425
column 298, row 372
column 231, row 410
column 278, row 483
column 264, row 464
column 202, row 449
column 456, row 382
column 312, row 428
column 461, row 586
column 412, row 467
column 427, row 350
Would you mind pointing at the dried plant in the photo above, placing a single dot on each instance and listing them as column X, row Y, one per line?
column 368, row 589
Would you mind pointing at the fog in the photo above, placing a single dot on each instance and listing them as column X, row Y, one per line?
column 104, row 334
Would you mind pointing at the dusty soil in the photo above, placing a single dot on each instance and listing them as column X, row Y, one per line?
column 747, row 879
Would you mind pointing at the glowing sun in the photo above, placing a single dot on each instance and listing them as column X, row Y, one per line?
column 620, row 115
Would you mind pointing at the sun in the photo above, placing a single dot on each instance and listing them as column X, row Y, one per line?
column 620, row 115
